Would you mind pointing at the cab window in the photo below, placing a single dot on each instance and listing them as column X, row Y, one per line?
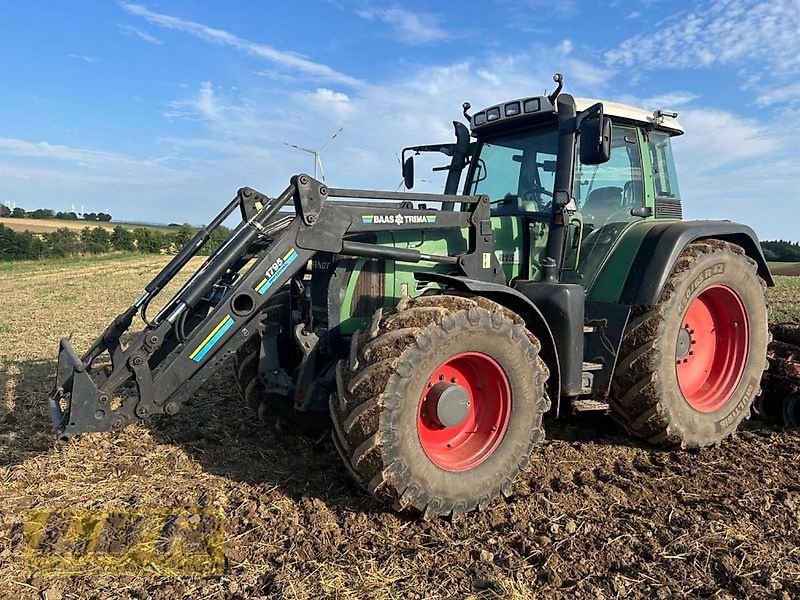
column 517, row 172
column 606, row 193
column 665, row 179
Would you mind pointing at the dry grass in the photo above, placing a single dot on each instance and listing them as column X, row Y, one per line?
column 597, row 516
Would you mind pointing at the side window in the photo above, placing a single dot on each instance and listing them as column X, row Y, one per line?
column 606, row 193
column 665, row 178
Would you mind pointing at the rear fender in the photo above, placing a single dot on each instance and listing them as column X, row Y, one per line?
column 663, row 245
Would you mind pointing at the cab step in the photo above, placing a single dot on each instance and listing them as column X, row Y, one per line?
column 579, row 406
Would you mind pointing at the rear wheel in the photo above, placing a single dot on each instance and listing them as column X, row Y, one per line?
column 690, row 367
column 440, row 404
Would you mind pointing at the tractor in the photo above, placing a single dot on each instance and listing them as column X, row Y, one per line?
column 432, row 333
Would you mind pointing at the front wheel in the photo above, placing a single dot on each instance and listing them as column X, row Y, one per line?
column 440, row 404
column 690, row 367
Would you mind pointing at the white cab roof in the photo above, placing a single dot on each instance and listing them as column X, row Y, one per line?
column 632, row 113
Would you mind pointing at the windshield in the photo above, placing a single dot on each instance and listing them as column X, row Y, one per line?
column 517, row 171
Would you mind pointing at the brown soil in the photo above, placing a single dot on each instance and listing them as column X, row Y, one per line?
column 597, row 515
column 792, row 269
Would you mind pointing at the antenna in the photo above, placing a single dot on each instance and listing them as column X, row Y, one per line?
column 316, row 153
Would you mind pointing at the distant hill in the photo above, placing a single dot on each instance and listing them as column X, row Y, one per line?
column 47, row 225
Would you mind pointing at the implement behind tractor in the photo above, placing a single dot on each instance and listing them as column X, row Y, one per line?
column 435, row 340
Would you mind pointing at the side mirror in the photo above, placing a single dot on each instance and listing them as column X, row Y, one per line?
column 408, row 173
column 595, row 140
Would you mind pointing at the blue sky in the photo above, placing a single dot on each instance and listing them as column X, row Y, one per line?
column 159, row 111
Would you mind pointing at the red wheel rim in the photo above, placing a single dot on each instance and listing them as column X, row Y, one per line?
column 467, row 444
column 712, row 348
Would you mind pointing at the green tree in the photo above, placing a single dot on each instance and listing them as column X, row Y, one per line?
column 18, row 213
column 182, row 235
column 62, row 242
column 122, row 239
column 90, row 216
column 95, row 240
column 5, row 212
column 105, row 217
column 42, row 213
column 19, row 245
column 150, row 240
column 219, row 235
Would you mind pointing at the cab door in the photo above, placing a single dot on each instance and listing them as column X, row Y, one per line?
column 604, row 195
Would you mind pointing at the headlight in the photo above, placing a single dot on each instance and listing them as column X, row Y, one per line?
column 512, row 109
column 531, row 105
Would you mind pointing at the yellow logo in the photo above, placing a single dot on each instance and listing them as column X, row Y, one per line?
column 123, row 542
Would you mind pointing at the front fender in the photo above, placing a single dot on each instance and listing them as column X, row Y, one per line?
column 520, row 304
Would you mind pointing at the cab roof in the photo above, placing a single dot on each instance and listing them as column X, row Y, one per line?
column 521, row 111
column 630, row 113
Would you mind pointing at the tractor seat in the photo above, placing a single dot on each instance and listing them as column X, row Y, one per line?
column 513, row 204
column 602, row 203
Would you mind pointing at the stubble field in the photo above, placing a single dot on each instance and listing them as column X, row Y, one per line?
column 598, row 515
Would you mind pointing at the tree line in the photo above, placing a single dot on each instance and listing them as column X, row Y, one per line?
column 781, row 251
column 48, row 213
column 64, row 242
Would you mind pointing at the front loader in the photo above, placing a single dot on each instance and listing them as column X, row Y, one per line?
column 435, row 339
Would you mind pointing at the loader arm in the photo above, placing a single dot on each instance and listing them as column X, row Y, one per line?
column 219, row 306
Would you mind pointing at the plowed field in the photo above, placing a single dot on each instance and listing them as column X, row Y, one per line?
column 598, row 515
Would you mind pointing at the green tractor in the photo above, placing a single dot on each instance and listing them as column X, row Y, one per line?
column 436, row 331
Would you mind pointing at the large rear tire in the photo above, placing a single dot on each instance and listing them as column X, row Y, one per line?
column 690, row 367
column 440, row 404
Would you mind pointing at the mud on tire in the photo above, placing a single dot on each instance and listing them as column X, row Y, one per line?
column 647, row 397
column 380, row 388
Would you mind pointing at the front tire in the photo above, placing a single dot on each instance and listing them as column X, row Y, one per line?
column 440, row 404
column 690, row 367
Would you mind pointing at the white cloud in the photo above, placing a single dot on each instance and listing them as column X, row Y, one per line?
column 88, row 59
column 721, row 33
column 129, row 30
column 779, row 94
column 410, row 27
column 286, row 60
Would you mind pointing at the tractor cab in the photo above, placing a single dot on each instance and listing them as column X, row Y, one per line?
column 515, row 164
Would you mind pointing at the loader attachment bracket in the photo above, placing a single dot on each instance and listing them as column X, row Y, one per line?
column 92, row 411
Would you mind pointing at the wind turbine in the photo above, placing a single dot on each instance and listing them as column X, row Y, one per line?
column 316, row 153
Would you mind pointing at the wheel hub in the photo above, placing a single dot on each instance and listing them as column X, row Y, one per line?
column 684, row 347
column 447, row 404
column 711, row 348
column 464, row 411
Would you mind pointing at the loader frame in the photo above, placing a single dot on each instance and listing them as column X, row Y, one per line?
column 221, row 303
